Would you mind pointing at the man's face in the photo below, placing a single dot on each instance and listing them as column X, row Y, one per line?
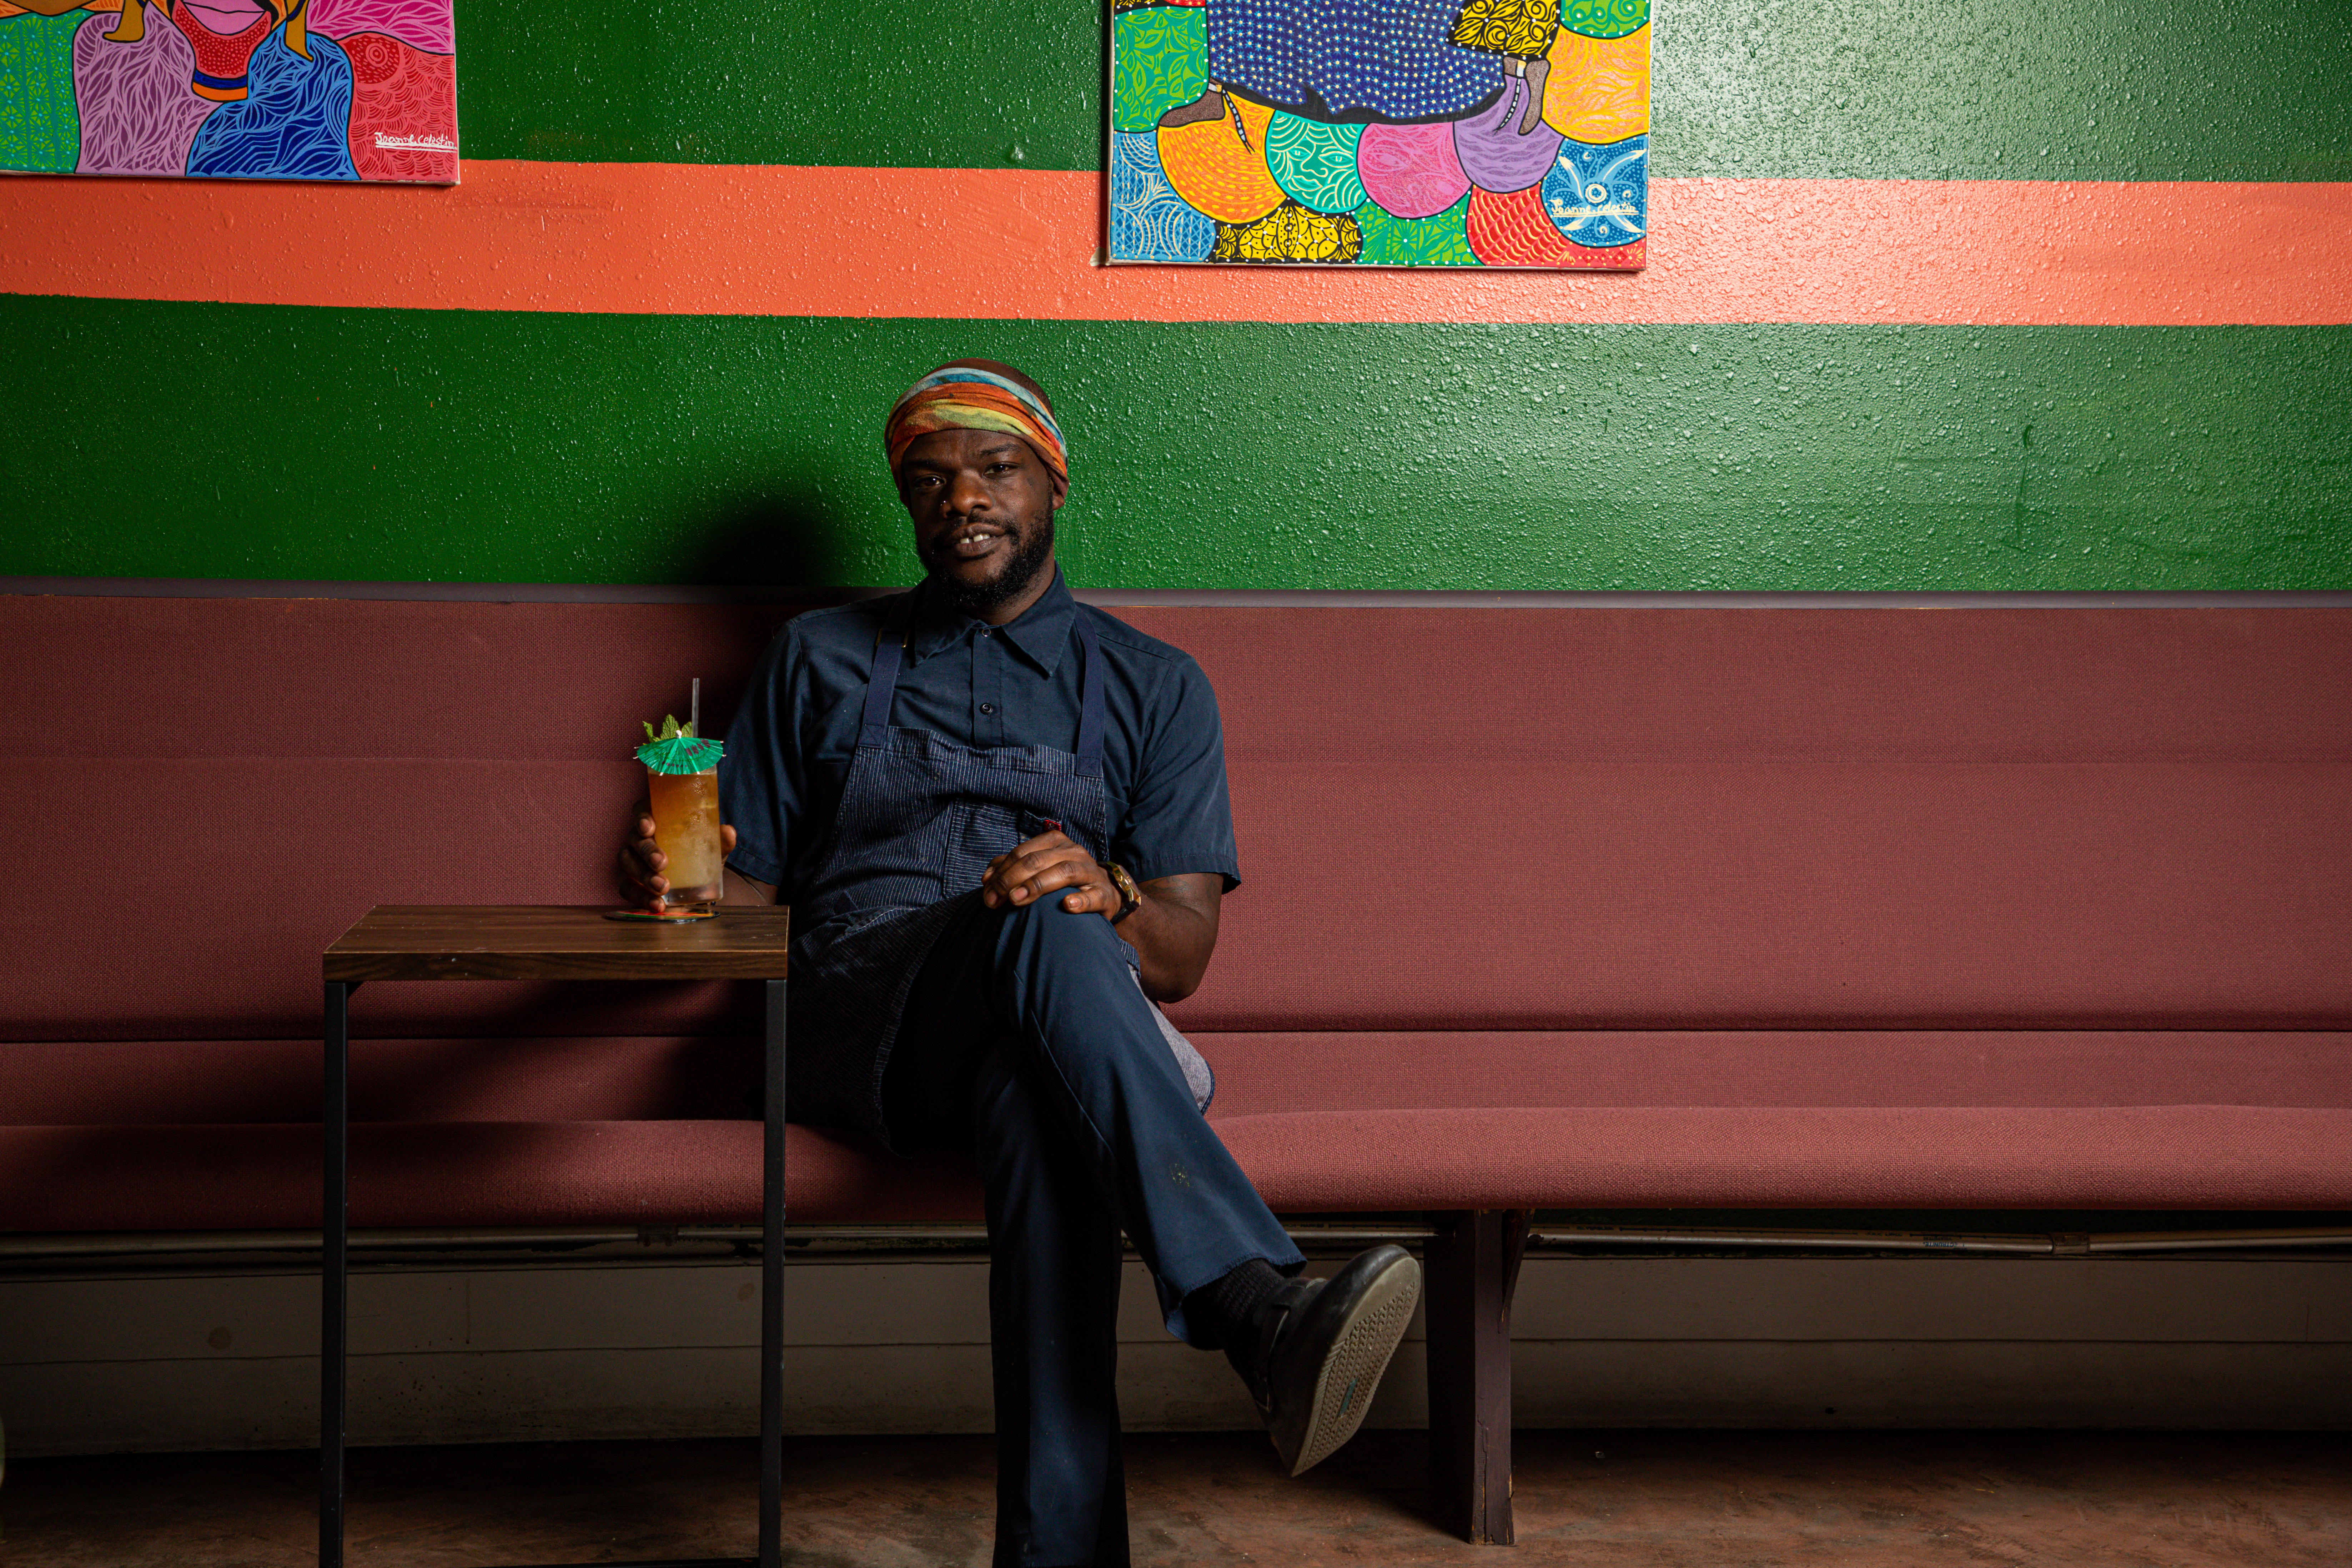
column 983, row 505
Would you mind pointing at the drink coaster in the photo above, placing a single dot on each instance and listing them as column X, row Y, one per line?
column 673, row 916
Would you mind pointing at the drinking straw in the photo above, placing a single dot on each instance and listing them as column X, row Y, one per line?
column 694, row 713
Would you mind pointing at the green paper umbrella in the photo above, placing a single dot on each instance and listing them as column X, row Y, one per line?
column 674, row 749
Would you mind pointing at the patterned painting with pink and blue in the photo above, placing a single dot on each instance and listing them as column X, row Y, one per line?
column 1380, row 132
column 260, row 90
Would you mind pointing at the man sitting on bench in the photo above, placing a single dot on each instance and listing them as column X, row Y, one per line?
column 1001, row 819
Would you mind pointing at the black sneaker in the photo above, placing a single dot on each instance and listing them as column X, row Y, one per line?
column 1322, row 1345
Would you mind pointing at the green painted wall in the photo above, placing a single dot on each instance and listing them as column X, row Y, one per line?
column 2080, row 89
column 503, row 448
column 263, row 442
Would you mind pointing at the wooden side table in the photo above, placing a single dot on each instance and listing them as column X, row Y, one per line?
column 495, row 943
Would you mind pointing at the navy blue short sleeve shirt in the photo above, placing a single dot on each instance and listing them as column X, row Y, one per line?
column 789, row 749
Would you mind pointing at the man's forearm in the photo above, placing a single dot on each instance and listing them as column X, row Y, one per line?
column 1173, row 929
column 743, row 890
column 1173, row 937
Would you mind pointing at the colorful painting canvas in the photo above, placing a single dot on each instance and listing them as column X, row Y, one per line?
column 1380, row 132
column 260, row 90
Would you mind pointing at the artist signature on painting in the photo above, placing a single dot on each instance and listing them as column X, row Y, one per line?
column 414, row 144
column 1569, row 218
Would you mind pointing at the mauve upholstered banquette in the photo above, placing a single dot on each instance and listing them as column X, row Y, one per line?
column 1775, row 907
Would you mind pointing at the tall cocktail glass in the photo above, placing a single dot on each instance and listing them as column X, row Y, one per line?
column 685, row 829
column 682, row 786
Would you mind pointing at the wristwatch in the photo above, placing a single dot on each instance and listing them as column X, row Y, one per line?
column 1129, row 895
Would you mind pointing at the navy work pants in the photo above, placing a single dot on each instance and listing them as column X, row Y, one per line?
column 1026, row 1041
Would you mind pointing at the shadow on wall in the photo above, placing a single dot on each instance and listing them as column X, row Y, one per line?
column 791, row 538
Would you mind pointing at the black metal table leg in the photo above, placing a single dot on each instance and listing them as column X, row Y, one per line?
column 771, row 1292
column 334, row 1274
column 334, row 1314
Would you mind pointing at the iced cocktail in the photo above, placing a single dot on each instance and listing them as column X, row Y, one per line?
column 682, row 786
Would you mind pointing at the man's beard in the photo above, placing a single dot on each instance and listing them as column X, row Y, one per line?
column 1032, row 548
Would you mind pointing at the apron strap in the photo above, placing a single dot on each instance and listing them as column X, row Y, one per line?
column 1090, row 702
column 882, row 676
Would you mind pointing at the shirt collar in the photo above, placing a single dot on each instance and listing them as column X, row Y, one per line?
column 1038, row 634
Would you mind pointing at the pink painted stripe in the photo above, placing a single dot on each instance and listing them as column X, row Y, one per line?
column 997, row 244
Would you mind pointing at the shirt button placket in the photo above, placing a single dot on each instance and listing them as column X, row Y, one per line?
column 987, row 687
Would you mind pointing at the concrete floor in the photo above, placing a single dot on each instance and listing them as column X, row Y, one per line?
column 1658, row 1498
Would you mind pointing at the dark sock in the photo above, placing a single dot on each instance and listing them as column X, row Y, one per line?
column 1227, row 1304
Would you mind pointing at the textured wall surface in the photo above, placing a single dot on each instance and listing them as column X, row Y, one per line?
column 2011, row 210
column 1932, row 89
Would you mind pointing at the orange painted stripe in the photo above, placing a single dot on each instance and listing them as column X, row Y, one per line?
column 997, row 244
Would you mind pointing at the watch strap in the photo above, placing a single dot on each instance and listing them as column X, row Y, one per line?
column 1130, row 896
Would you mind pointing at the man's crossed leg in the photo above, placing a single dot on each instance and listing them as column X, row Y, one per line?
column 1026, row 1040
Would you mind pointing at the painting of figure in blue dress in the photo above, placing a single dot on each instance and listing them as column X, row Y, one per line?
column 1380, row 132
column 265, row 89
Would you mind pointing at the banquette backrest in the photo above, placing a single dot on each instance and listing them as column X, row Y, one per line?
column 1451, row 819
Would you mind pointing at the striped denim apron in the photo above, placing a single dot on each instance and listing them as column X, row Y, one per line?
column 920, row 818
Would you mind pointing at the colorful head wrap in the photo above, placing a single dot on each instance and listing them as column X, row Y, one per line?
column 964, row 397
